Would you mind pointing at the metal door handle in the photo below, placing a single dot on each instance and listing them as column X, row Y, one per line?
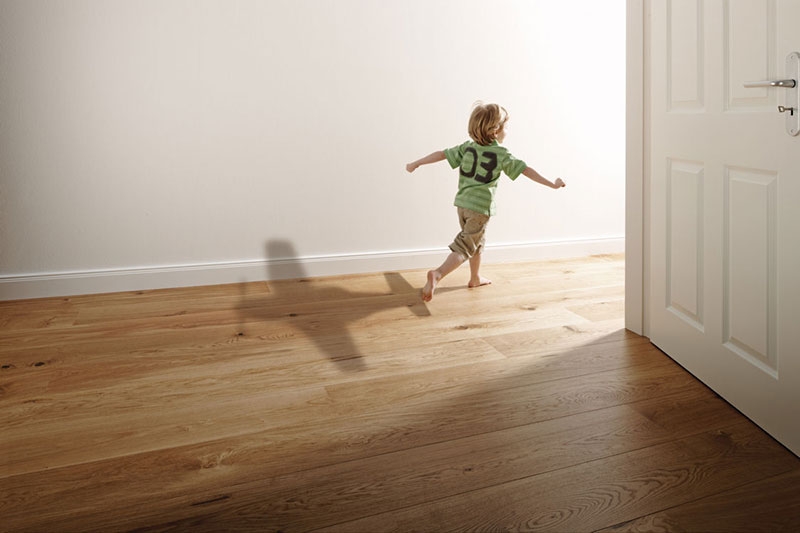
column 771, row 83
column 791, row 97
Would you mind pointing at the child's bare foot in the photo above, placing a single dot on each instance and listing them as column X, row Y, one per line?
column 479, row 283
column 427, row 290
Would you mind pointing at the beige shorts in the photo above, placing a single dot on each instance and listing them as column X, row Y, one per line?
column 472, row 237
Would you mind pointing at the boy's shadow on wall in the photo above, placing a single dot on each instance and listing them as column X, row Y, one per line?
column 323, row 312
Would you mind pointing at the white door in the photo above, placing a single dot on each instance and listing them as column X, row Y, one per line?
column 725, row 202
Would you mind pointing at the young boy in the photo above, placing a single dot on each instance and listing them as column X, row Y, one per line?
column 481, row 161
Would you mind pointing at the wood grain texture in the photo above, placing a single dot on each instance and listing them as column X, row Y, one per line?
column 746, row 508
column 347, row 404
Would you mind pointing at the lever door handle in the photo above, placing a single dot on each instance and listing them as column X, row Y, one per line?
column 771, row 83
column 790, row 97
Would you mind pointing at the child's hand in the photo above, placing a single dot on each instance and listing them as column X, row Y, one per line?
column 411, row 167
column 559, row 183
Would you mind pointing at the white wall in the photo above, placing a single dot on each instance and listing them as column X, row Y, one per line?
column 167, row 142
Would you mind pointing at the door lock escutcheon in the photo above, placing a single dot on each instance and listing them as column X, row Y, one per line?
column 791, row 96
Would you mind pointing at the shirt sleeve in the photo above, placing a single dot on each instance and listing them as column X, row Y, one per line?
column 455, row 154
column 512, row 166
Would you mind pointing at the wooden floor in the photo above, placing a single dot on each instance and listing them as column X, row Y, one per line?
column 346, row 404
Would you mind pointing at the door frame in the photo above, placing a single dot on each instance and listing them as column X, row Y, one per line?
column 637, row 176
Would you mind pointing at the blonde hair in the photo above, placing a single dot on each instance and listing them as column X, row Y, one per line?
column 486, row 121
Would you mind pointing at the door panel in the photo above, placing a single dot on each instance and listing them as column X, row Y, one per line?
column 750, row 278
column 725, row 183
column 749, row 33
column 685, row 241
column 685, row 49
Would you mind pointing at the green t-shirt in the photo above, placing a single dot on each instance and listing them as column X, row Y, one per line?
column 480, row 168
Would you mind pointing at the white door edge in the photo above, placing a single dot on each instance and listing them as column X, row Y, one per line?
column 636, row 212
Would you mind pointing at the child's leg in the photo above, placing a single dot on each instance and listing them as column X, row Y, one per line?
column 475, row 279
column 452, row 262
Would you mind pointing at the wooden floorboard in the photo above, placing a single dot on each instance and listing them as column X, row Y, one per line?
column 348, row 404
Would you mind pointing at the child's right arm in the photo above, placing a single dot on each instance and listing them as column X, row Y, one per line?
column 538, row 178
column 435, row 157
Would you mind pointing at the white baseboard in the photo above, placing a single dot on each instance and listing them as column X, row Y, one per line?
column 18, row 287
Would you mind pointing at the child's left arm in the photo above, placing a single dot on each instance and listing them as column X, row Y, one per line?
column 435, row 157
column 538, row 178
